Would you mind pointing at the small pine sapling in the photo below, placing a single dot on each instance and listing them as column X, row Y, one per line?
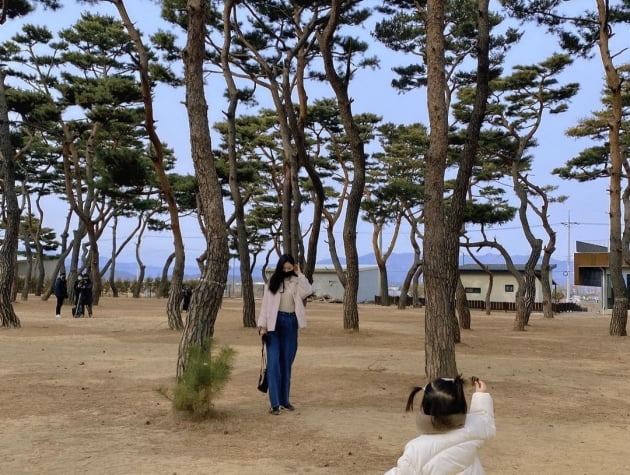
column 203, row 379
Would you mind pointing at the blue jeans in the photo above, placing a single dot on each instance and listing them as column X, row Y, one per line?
column 281, row 350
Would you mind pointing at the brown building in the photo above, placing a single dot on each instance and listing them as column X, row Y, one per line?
column 590, row 268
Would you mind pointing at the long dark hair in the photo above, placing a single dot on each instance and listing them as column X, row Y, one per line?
column 277, row 278
column 442, row 397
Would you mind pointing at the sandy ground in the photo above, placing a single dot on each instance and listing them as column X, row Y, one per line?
column 83, row 395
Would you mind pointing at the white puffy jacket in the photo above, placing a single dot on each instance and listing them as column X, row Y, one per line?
column 452, row 452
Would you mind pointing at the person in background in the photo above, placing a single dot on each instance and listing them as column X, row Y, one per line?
column 450, row 437
column 282, row 312
column 83, row 295
column 77, row 310
column 61, row 292
column 186, row 295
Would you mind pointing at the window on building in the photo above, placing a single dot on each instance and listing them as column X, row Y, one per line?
column 509, row 288
column 473, row 290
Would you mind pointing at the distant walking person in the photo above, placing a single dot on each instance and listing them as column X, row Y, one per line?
column 61, row 292
column 83, row 295
column 281, row 314
column 187, row 295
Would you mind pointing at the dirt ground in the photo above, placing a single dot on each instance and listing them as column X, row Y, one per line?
column 83, row 395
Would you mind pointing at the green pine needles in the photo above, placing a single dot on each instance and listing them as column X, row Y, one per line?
column 203, row 379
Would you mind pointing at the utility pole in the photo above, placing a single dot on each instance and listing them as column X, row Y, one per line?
column 568, row 224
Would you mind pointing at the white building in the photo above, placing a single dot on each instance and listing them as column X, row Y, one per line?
column 49, row 267
column 326, row 283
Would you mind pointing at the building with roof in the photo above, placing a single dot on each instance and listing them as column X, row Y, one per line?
column 591, row 268
column 476, row 281
column 327, row 286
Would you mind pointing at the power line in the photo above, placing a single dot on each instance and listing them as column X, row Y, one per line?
column 514, row 228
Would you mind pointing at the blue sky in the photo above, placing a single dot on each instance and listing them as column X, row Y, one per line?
column 587, row 205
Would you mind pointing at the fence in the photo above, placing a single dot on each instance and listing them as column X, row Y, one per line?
column 394, row 299
column 501, row 306
column 538, row 306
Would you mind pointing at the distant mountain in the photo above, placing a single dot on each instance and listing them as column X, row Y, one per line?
column 398, row 264
column 129, row 270
column 397, row 267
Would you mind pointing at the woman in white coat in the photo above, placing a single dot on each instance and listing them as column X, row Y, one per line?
column 450, row 437
column 281, row 314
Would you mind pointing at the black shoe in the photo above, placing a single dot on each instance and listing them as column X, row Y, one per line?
column 275, row 411
column 289, row 407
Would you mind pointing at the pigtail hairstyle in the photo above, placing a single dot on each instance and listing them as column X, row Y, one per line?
column 415, row 390
column 443, row 403
column 444, row 397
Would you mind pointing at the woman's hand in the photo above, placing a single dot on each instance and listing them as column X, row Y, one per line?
column 481, row 386
column 296, row 268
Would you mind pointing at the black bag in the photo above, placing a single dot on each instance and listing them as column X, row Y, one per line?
column 262, row 379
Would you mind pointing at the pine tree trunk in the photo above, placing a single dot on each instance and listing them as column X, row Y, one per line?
column 521, row 311
column 173, row 306
column 546, row 283
column 413, row 270
column 249, row 302
column 339, row 85
column 247, row 295
column 94, row 265
column 416, row 288
column 530, row 295
column 407, row 283
column 619, row 319
column 384, row 284
column 319, row 197
column 29, row 271
column 39, row 252
column 461, row 303
column 350, row 292
column 247, row 284
column 488, row 301
column 8, row 248
column 139, row 281
column 77, row 236
column 174, row 302
column 619, row 316
column 112, row 268
column 208, row 295
column 162, row 289
column 439, row 266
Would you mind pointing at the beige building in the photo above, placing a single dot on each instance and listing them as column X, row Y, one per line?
column 504, row 285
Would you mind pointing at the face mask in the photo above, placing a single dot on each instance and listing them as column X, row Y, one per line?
column 288, row 274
